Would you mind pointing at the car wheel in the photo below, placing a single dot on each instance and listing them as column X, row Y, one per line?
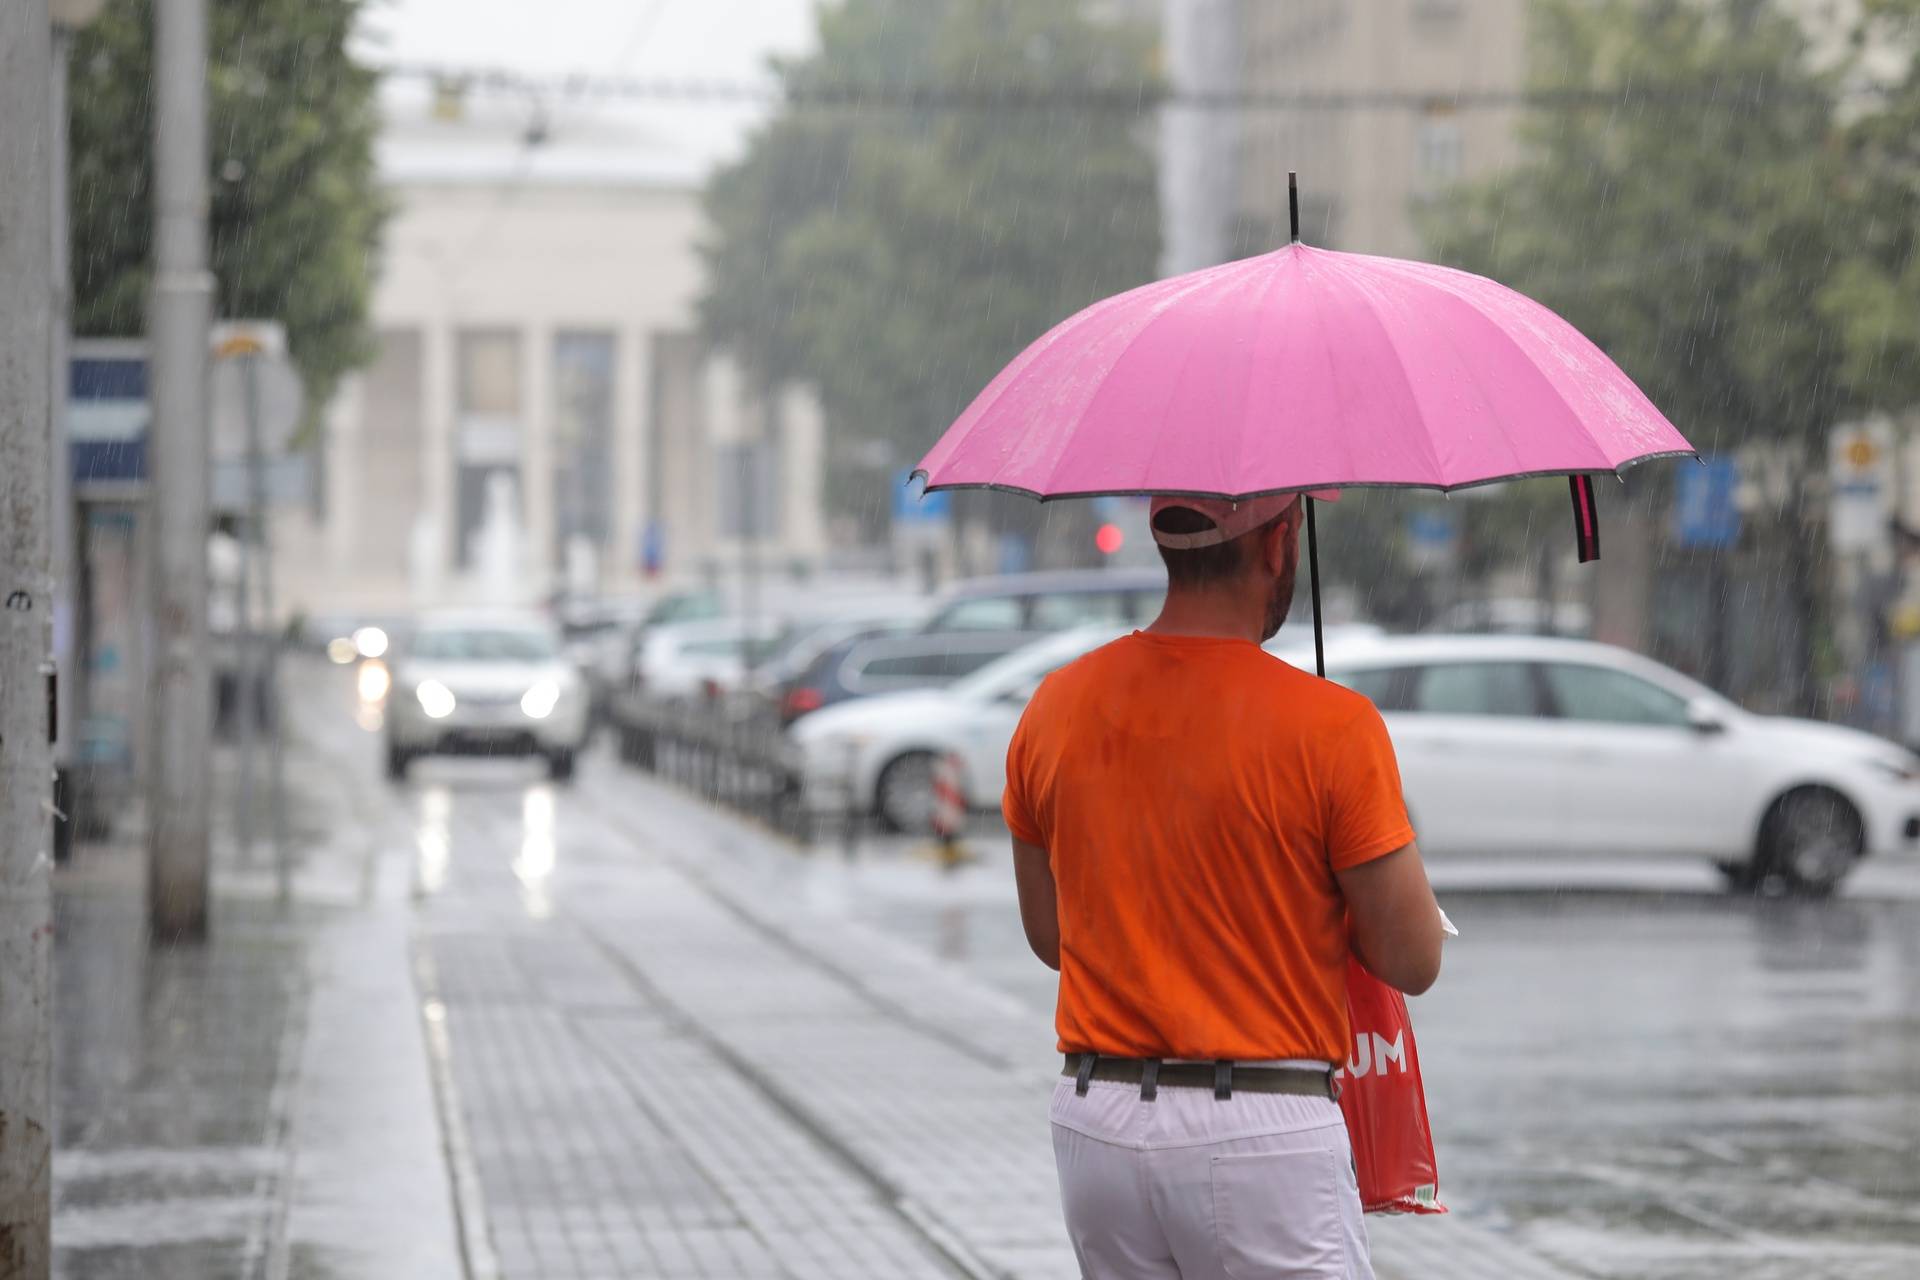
column 560, row 764
column 903, row 795
column 398, row 758
column 1811, row 839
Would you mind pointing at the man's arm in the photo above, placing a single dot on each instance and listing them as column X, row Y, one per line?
column 1396, row 922
column 1039, row 909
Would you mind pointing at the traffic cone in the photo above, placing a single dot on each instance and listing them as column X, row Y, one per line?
column 949, row 811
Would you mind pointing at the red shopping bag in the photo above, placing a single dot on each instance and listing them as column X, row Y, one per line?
column 1384, row 1102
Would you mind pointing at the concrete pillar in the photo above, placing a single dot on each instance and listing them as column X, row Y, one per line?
column 437, row 373
column 538, row 422
column 632, row 392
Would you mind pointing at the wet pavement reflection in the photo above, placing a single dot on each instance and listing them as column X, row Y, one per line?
column 1635, row 1084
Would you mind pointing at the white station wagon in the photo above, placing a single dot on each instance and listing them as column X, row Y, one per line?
column 1532, row 746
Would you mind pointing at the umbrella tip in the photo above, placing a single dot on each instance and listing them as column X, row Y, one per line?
column 1293, row 204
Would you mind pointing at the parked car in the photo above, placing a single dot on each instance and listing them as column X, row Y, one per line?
column 1518, row 616
column 806, row 638
column 681, row 660
column 1542, row 747
column 609, row 667
column 1052, row 601
column 872, row 663
column 485, row 684
column 879, row 752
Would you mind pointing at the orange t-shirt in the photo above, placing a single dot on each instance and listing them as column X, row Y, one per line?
column 1195, row 797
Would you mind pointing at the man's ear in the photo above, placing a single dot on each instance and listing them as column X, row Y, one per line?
column 1277, row 544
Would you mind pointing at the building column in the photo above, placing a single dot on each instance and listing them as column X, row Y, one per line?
column 538, row 424
column 803, row 532
column 632, row 393
column 437, row 373
column 344, row 459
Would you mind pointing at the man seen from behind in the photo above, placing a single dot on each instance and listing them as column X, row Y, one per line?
column 1202, row 834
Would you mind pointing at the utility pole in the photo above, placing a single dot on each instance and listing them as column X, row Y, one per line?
column 1199, row 147
column 181, row 702
column 26, row 640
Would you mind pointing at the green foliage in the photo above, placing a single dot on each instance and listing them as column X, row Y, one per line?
column 1874, row 296
column 295, row 214
column 1691, row 239
column 896, row 257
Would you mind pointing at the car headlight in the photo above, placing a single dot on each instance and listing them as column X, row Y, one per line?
column 435, row 699
column 539, row 701
column 374, row 680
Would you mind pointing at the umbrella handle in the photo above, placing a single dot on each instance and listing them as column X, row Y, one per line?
column 1313, row 578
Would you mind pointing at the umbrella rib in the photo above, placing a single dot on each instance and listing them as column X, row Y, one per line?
column 1366, row 296
column 1272, row 283
column 1528, row 360
column 1164, row 309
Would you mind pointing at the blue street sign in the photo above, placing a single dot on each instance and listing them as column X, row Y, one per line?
column 107, row 413
column 912, row 505
column 1704, row 513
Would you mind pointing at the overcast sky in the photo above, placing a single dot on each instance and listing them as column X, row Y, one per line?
column 726, row 40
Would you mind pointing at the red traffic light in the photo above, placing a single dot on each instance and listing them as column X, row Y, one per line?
column 1109, row 539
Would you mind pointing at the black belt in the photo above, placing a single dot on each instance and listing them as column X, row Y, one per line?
column 1221, row 1077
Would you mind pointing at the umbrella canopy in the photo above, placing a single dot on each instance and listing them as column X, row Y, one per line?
column 1305, row 370
column 1301, row 369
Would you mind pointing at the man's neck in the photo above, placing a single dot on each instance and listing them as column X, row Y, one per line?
column 1227, row 614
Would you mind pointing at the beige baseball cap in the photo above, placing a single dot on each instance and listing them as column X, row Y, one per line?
column 1230, row 518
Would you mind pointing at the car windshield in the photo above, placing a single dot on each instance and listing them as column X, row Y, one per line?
column 484, row 644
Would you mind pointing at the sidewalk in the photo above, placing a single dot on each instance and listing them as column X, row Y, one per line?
column 258, row 1106
column 675, row 1060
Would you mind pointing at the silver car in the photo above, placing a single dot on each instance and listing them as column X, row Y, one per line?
column 486, row 684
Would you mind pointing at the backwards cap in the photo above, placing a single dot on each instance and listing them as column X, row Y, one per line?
column 1229, row 518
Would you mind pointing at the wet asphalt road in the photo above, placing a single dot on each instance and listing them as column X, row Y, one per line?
column 1652, row 1083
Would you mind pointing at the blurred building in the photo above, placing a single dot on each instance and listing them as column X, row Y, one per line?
column 1365, row 168
column 540, row 413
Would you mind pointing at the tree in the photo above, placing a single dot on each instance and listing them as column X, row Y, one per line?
column 1874, row 294
column 295, row 216
column 1686, row 235
column 1690, row 227
column 897, row 254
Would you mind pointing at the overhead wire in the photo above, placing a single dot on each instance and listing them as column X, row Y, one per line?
column 1135, row 97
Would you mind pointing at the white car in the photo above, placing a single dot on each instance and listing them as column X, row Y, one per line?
column 485, row 684
column 680, row 660
column 1531, row 746
column 880, row 751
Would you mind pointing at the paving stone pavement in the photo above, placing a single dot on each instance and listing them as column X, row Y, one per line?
column 669, row 1055
column 256, row 1106
column 611, row 1136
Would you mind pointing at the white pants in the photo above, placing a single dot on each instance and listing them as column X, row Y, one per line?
column 1258, row 1186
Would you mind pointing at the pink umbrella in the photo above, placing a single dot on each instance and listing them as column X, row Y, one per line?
column 1305, row 370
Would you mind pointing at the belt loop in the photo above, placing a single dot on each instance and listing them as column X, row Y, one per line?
column 1085, row 1074
column 1149, row 1079
column 1223, row 1079
column 1333, row 1083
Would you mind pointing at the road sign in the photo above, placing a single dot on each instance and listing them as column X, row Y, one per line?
column 1860, row 488
column 1433, row 536
column 281, row 395
column 913, row 505
column 1705, row 513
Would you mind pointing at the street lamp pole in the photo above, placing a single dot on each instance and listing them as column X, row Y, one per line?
column 181, row 702
column 26, row 639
